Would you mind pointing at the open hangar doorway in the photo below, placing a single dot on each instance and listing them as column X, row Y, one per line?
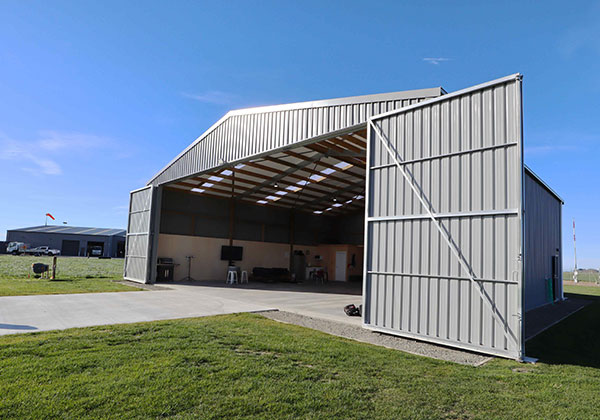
column 293, row 216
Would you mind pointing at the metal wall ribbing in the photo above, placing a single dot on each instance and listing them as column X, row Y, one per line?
column 542, row 242
column 197, row 215
column 463, row 154
column 245, row 133
column 138, row 240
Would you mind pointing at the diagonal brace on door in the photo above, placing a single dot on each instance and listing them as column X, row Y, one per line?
column 456, row 251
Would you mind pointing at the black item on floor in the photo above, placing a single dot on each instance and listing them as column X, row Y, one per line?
column 352, row 310
column 271, row 275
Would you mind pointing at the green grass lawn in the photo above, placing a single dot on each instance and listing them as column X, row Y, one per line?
column 249, row 367
column 583, row 276
column 74, row 275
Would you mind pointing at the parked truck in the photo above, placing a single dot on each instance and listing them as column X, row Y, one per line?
column 17, row 248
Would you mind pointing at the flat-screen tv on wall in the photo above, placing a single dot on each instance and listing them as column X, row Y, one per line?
column 231, row 253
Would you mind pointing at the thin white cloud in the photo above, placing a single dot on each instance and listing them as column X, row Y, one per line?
column 215, row 97
column 436, row 60
column 25, row 155
column 42, row 155
column 51, row 140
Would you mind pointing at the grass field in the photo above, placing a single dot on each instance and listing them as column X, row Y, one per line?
column 249, row 367
column 583, row 276
column 74, row 275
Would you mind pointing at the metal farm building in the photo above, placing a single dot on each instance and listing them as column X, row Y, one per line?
column 71, row 240
column 421, row 195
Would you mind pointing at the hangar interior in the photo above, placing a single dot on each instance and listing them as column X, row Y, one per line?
column 420, row 197
column 300, row 209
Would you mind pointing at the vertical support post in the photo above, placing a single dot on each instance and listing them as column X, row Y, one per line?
column 53, row 268
column 232, row 213
column 292, row 228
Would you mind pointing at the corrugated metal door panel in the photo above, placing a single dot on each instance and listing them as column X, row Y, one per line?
column 137, row 241
column 463, row 155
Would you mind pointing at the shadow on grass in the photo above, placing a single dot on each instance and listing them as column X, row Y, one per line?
column 573, row 341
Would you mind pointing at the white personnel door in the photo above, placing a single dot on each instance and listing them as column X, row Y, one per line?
column 340, row 266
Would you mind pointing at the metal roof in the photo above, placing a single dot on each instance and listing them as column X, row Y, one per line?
column 72, row 230
column 324, row 177
column 248, row 132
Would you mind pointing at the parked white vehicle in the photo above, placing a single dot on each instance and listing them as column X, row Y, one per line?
column 43, row 250
column 96, row 251
column 16, row 248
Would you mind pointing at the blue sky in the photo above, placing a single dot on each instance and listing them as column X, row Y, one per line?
column 95, row 97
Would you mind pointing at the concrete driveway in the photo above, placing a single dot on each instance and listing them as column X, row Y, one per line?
column 19, row 314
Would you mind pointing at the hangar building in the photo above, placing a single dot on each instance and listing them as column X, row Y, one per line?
column 71, row 240
column 421, row 195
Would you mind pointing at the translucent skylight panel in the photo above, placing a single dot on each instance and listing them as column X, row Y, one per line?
column 303, row 183
column 328, row 171
column 343, row 165
column 281, row 192
column 226, row 172
column 198, row 190
column 317, row 212
column 207, row 185
column 293, row 188
column 262, row 202
column 337, row 205
column 215, row 178
column 317, row 178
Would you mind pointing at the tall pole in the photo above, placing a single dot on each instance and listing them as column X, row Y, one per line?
column 575, row 249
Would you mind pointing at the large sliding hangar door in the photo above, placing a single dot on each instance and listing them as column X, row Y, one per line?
column 443, row 220
column 143, row 204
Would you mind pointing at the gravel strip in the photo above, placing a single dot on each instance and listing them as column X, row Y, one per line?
column 358, row 333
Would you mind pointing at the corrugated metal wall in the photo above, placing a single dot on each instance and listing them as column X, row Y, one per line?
column 138, row 240
column 542, row 217
column 464, row 154
column 242, row 135
column 197, row 215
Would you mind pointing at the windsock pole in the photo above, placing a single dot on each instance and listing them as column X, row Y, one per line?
column 575, row 249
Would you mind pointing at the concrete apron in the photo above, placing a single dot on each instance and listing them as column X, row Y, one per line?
column 21, row 314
